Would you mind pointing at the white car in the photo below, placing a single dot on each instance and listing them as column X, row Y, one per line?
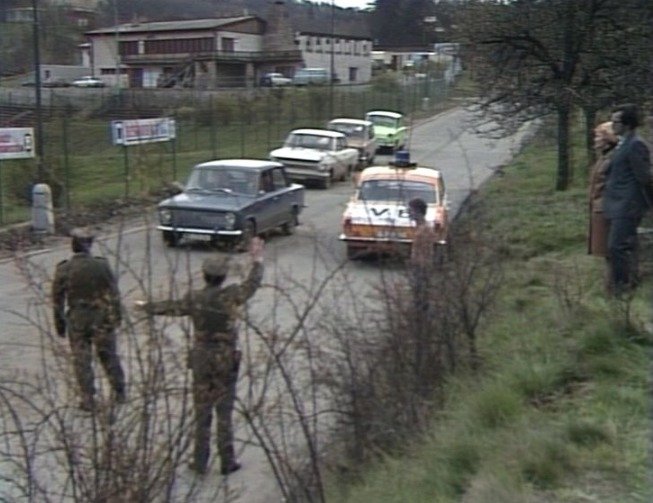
column 317, row 155
column 275, row 80
column 88, row 81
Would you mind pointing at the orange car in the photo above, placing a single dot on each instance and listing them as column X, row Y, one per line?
column 376, row 218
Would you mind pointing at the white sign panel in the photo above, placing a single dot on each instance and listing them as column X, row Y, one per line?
column 16, row 143
column 135, row 132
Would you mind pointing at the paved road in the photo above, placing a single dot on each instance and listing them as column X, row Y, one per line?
column 299, row 266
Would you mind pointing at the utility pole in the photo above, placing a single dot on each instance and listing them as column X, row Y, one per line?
column 38, row 150
column 333, row 67
column 117, row 34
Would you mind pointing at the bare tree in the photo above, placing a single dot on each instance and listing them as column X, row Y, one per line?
column 535, row 59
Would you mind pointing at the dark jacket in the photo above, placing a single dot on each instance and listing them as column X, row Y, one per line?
column 628, row 178
column 214, row 310
column 85, row 282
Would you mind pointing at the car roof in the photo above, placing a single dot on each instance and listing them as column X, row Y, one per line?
column 418, row 173
column 251, row 164
column 386, row 113
column 345, row 120
column 320, row 132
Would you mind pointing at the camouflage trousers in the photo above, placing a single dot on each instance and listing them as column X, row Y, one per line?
column 215, row 374
column 88, row 327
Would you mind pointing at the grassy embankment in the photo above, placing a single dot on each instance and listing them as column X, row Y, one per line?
column 559, row 411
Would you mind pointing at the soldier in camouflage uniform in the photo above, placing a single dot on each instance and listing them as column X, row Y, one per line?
column 214, row 358
column 87, row 287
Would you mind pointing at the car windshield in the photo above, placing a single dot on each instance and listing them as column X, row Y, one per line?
column 309, row 141
column 382, row 120
column 352, row 130
column 223, row 179
column 397, row 190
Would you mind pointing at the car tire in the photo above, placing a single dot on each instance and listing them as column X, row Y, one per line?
column 249, row 232
column 288, row 228
column 171, row 238
column 326, row 182
column 353, row 253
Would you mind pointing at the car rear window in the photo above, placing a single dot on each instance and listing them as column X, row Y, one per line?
column 397, row 190
column 230, row 179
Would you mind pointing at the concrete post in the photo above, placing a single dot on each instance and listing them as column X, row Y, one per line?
column 42, row 213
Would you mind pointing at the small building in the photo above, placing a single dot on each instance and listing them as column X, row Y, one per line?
column 222, row 52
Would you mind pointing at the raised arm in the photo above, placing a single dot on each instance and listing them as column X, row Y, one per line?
column 253, row 281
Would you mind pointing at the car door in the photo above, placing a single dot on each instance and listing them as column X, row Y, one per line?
column 266, row 210
column 342, row 154
column 283, row 197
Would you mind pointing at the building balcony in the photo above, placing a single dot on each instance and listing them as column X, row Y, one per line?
column 218, row 56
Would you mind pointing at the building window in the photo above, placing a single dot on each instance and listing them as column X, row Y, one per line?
column 227, row 44
column 353, row 73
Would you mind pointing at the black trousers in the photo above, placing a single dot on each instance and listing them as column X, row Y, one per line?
column 622, row 249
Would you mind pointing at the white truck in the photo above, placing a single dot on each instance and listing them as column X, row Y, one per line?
column 316, row 155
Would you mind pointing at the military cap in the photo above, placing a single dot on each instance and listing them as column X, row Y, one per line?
column 82, row 234
column 216, row 266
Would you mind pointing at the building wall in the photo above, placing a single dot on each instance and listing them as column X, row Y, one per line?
column 348, row 54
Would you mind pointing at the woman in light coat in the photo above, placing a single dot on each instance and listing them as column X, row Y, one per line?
column 604, row 142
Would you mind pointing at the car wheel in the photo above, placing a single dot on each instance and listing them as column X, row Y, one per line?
column 288, row 227
column 326, row 183
column 353, row 253
column 249, row 232
column 170, row 238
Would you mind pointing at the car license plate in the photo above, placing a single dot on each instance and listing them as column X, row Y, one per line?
column 388, row 234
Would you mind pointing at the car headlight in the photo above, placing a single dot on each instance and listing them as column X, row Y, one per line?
column 325, row 164
column 165, row 216
column 229, row 220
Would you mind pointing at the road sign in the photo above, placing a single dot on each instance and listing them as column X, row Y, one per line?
column 16, row 143
column 135, row 132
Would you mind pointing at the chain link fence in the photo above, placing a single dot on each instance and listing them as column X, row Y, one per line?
column 85, row 170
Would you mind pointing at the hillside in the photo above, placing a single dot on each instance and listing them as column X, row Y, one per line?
column 558, row 408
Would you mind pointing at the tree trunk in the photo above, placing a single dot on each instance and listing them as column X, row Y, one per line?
column 563, row 174
column 590, row 124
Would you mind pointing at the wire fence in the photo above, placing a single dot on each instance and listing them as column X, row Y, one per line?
column 85, row 169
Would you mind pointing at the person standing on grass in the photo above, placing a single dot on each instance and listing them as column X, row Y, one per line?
column 214, row 358
column 625, row 198
column 604, row 143
column 86, row 286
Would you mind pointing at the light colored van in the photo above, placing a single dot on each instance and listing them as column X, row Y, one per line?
column 306, row 76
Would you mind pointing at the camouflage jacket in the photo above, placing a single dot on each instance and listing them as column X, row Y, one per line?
column 214, row 310
column 85, row 281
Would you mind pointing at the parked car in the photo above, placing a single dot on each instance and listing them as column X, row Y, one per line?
column 275, row 80
column 376, row 218
column 308, row 76
column 319, row 155
column 88, row 81
column 389, row 129
column 231, row 201
column 360, row 135
column 56, row 82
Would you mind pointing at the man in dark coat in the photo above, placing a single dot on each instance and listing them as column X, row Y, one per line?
column 87, row 287
column 625, row 197
column 214, row 358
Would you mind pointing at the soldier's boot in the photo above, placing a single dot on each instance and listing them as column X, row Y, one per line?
column 87, row 404
column 228, row 463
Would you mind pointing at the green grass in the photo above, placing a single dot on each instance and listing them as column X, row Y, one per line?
column 559, row 410
column 81, row 161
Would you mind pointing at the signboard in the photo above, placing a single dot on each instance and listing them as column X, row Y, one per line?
column 16, row 143
column 135, row 132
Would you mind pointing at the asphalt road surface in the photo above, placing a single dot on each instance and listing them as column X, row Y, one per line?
column 308, row 265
